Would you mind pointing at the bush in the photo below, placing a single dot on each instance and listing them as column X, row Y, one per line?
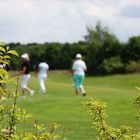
column 112, row 65
column 133, row 67
column 96, row 110
column 11, row 115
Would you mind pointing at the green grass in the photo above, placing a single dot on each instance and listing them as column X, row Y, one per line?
column 60, row 104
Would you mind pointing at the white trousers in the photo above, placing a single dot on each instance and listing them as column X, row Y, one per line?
column 42, row 79
column 24, row 80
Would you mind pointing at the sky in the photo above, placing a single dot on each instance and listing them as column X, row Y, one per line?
column 28, row 21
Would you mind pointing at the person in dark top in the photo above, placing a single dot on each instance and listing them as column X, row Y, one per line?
column 25, row 72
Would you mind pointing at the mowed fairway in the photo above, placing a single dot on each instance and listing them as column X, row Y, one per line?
column 60, row 104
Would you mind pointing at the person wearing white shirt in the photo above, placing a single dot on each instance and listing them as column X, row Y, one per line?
column 43, row 68
column 78, row 70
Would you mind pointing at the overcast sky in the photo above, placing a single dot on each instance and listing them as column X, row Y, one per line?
column 28, row 21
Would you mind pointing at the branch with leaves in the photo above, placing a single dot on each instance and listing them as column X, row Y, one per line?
column 96, row 110
column 12, row 115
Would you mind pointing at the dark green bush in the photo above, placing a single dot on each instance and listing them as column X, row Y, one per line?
column 133, row 67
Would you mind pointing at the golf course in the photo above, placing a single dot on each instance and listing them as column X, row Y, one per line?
column 62, row 106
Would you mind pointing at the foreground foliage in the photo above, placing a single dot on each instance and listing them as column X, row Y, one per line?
column 96, row 110
column 11, row 115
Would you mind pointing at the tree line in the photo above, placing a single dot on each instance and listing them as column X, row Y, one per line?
column 101, row 50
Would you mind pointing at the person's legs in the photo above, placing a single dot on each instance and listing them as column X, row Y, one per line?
column 76, row 91
column 75, row 78
column 81, row 87
column 23, row 84
column 27, row 89
column 24, row 87
column 77, row 84
column 42, row 84
column 82, row 90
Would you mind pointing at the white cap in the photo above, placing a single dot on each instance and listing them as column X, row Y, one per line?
column 25, row 56
column 78, row 56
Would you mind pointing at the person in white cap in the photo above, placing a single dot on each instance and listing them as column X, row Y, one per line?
column 25, row 72
column 78, row 70
column 42, row 70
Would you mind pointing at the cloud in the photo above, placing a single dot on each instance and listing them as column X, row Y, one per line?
column 65, row 21
column 131, row 11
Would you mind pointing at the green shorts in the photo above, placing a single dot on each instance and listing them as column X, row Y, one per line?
column 78, row 80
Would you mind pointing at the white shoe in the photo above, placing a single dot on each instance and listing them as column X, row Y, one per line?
column 32, row 93
column 21, row 97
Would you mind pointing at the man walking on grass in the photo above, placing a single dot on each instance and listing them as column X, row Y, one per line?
column 43, row 68
column 78, row 71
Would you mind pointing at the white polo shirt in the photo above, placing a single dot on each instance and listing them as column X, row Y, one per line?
column 79, row 67
column 43, row 67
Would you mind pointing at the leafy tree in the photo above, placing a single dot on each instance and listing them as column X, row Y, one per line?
column 102, row 45
column 134, row 48
column 131, row 50
column 102, row 51
column 65, row 57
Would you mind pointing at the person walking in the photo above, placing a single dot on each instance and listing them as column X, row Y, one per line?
column 43, row 68
column 78, row 71
column 25, row 72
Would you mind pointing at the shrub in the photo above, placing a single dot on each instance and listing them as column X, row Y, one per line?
column 11, row 114
column 96, row 110
column 112, row 65
column 133, row 67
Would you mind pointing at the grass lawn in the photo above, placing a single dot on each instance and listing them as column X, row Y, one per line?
column 60, row 104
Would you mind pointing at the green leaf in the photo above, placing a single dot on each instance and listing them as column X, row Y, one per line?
column 7, row 48
column 29, row 136
column 12, row 52
column 2, row 49
column 7, row 57
column 7, row 62
column 4, row 74
column 28, row 116
column 3, row 81
column 18, row 94
column 1, row 61
column 1, row 107
column 2, row 44
column 137, row 88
